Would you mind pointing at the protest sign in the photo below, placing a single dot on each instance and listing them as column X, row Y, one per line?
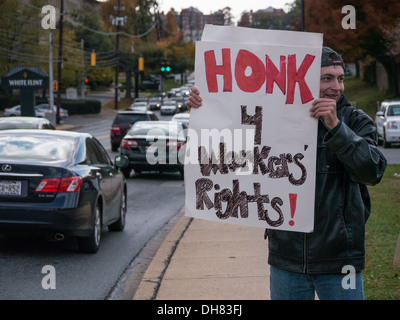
column 251, row 150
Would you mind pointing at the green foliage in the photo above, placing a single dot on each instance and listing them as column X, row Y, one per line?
column 364, row 94
column 381, row 278
column 81, row 106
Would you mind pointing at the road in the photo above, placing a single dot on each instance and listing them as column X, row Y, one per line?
column 153, row 200
column 392, row 154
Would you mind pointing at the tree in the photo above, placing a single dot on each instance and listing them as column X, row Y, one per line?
column 180, row 56
column 89, row 18
column 96, row 42
column 228, row 17
column 169, row 30
column 375, row 24
column 244, row 19
column 20, row 32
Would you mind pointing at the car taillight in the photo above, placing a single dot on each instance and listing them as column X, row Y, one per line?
column 48, row 185
column 128, row 144
column 115, row 129
column 175, row 145
column 66, row 184
column 70, row 184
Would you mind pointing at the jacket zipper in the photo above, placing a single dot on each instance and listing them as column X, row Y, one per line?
column 305, row 253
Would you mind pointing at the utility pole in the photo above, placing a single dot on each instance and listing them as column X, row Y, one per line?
column 303, row 28
column 83, row 70
column 51, row 95
column 60, row 59
column 118, row 21
column 117, row 55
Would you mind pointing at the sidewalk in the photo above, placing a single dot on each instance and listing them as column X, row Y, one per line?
column 205, row 260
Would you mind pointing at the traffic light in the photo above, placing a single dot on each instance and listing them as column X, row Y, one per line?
column 165, row 65
column 93, row 59
column 141, row 64
column 55, row 85
column 86, row 80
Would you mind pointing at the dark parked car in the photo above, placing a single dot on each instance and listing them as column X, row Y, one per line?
column 123, row 121
column 60, row 184
column 154, row 146
column 25, row 123
column 155, row 103
column 169, row 107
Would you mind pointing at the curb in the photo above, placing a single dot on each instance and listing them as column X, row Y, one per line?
column 68, row 127
column 151, row 281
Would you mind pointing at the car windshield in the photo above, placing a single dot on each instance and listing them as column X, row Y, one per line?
column 17, row 125
column 394, row 110
column 47, row 148
column 129, row 118
column 181, row 117
column 168, row 129
column 43, row 106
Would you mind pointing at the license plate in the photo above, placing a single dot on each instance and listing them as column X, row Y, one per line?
column 10, row 188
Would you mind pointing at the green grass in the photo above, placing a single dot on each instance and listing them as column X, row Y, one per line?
column 381, row 278
column 364, row 94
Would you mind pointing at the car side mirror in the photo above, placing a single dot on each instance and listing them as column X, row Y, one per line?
column 121, row 161
column 380, row 114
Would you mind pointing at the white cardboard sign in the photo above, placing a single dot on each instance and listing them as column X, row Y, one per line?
column 251, row 150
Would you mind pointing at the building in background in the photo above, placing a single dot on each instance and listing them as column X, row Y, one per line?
column 191, row 21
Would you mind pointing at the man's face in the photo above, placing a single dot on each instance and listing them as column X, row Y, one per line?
column 331, row 84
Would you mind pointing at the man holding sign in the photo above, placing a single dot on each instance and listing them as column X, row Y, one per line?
column 347, row 159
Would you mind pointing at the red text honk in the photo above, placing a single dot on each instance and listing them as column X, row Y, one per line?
column 285, row 77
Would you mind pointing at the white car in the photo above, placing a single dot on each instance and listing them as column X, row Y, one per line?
column 139, row 106
column 46, row 108
column 387, row 121
column 16, row 112
column 182, row 118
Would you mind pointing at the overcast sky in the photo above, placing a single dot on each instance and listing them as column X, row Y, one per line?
column 237, row 6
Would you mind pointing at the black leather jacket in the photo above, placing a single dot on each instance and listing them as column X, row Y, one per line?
column 346, row 162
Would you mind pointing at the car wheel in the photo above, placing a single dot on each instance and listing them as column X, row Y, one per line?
column 114, row 147
column 92, row 243
column 378, row 140
column 119, row 225
column 126, row 172
column 385, row 144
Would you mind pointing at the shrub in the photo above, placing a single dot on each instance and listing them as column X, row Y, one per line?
column 81, row 106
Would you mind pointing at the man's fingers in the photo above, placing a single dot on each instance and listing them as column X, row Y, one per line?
column 194, row 100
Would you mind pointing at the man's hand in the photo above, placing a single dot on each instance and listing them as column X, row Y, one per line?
column 325, row 108
column 194, row 100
